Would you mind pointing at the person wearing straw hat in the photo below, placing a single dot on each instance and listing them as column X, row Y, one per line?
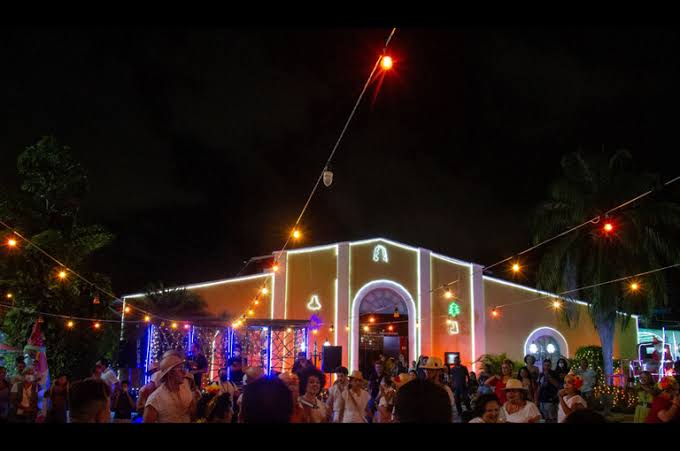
column 148, row 388
column 354, row 407
column 517, row 409
column 173, row 401
column 433, row 370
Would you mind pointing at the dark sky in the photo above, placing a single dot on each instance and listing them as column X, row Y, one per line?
column 202, row 144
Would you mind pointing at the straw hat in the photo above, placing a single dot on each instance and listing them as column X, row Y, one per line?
column 155, row 366
column 357, row 376
column 402, row 379
column 515, row 384
column 168, row 363
column 433, row 363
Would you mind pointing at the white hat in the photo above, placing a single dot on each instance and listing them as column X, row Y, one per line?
column 433, row 363
column 167, row 364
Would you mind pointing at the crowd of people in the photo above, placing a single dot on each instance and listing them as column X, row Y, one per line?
column 428, row 392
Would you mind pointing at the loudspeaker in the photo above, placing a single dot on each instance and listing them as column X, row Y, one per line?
column 331, row 358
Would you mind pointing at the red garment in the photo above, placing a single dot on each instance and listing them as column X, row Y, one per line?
column 500, row 389
column 660, row 403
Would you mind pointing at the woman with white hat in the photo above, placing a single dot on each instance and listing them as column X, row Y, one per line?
column 354, row 407
column 173, row 401
column 517, row 409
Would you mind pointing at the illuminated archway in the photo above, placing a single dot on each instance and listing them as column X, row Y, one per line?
column 356, row 311
column 549, row 332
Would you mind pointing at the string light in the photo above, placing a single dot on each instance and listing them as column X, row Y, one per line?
column 494, row 313
column 11, row 242
column 256, row 302
column 8, row 295
column 174, row 325
column 556, row 304
column 251, row 312
column 69, row 324
column 296, row 234
column 186, row 327
column 347, row 328
column 371, row 320
column 366, row 329
column 264, row 290
column 315, row 331
column 390, row 328
column 147, row 318
column 448, row 294
column 634, row 286
column 62, row 275
column 331, row 329
column 386, row 63
column 608, row 227
column 97, row 325
column 289, row 330
column 128, row 309
column 516, row 268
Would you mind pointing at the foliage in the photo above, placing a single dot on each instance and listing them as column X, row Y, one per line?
column 171, row 302
column 495, row 361
column 47, row 211
column 644, row 237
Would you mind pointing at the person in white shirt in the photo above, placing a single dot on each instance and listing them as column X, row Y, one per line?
column 589, row 379
column 354, row 407
column 570, row 397
column 314, row 410
column 488, row 410
column 173, row 401
column 517, row 409
column 109, row 376
column 334, row 400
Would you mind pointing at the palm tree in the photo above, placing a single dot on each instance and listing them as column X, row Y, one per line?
column 642, row 237
column 172, row 302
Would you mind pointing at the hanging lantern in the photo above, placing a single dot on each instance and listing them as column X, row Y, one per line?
column 95, row 301
column 327, row 177
column 396, row 312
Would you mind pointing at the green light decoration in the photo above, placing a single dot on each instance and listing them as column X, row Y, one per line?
column 454, row 310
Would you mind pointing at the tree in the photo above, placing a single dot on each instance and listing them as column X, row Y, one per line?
column 171, row 302
column 47, row 211
column 642, row 238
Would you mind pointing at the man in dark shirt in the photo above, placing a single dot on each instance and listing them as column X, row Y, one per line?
column 235, row 372
column 199, row 365
column 376, row 377
column 546, row 392
column 459, row 382
column 301, row 363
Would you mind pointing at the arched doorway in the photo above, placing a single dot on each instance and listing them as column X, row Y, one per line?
column 546, row 343
column 377, row 329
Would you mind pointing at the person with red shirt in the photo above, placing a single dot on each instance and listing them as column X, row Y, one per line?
column 498, row 382
column 666, row 406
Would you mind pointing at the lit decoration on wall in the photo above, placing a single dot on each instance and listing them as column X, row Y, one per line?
column 453, row 327
column 314, row 304
column 380, row 254
column 454, row 309
column 550, row 348
column 533, row 348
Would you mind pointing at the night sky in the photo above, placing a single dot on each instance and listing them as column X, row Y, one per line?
column 203, row 144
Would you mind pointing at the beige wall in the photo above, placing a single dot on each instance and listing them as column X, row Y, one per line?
column 401, row 268
column 234, row 297
column 443, row 272
column 508, row 332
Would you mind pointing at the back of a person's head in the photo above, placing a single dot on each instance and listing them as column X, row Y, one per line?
column 585, row 416
column 422, row 401
column 266, row 401
column 87, row 398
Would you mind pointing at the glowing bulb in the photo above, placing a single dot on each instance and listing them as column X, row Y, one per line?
column 69, row 324
column 62, row 275
column 275, row 268
column 371, row 320
column 365, row 328
column 417, row 325
column 251, row 312
column 174, row 325
column 97, row 325
column 634, row 286
column 9, row 295
column 289, row 330
column 556, row 304
column 315, row 331
column 127, row 309
column 390, row 328
column 494, row 313
column 297, row 234
column 550, row 348
column 331, row 329
column 448, row 321
column 448, row 294
column 533, row 348
column 515, row 267
column 11, row 242
column 386, row 63
column 147, row 318
column 347, row 328
column 264, row 290
column 608, row 227
column 186, row 327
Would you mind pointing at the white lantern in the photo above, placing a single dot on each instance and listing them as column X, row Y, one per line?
column 327, row 177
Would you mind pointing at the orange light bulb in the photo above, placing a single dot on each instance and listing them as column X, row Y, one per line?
column 62, row 275
column 97, row 325
column 11, row 242
column 608, row 227
column 297, row 234
column 69, row 324
column 386, row 62
column 147, row 318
